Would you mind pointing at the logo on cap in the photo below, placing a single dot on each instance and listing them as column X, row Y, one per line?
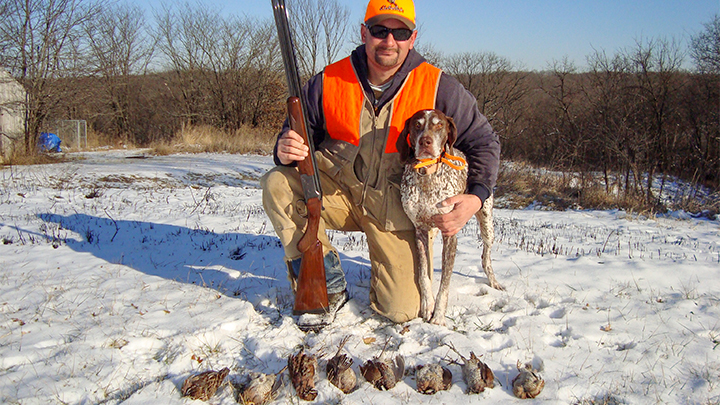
column 392, row 7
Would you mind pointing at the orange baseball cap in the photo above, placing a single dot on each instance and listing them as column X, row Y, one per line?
column 379, row 10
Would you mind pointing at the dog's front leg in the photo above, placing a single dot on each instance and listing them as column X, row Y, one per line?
column 448, row 262
column 424, row 274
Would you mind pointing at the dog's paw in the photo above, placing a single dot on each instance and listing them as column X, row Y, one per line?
column 497, row 286
column 426, row 314
column 438, row 320
column 426, row 308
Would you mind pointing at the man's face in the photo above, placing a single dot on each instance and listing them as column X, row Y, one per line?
column 388, row 53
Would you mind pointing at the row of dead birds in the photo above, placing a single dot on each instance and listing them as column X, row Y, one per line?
column 383, row 374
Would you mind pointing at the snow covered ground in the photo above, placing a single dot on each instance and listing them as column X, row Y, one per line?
column 122, row 274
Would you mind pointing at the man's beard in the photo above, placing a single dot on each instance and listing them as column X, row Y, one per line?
column 385, row 60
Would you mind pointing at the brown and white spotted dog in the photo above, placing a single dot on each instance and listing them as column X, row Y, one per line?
column 434, row 171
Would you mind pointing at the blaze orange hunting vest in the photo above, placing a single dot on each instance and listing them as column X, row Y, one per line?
column 343, row 99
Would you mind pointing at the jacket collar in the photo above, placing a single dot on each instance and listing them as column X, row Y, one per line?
column 359, row 61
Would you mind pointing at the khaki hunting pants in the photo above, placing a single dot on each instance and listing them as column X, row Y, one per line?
column 394, row 291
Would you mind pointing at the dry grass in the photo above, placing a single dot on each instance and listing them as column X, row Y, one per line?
column 190, row 139
column 203, row 138
column 521, row 185
column 97, row 140
column 18, row 158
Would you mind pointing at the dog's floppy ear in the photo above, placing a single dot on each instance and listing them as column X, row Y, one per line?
column 451, row 133
column 402, row 145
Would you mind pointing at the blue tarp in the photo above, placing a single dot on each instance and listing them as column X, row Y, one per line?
column 49, row 142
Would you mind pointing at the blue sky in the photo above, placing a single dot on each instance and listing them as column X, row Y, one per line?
column 532, row 32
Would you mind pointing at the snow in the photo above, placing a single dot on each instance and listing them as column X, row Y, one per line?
column 121, row 274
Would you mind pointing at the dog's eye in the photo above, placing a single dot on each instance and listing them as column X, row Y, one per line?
column 418, row 124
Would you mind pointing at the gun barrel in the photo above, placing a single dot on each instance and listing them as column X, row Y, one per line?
column 287, row 47
column 295, row 88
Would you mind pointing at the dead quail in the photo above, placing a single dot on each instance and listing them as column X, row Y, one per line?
column 528, row 383
column 432, row 378
column 381, row 374
column 339, row 370
column 204, row 385
column 477, row 375
column 302, row 368
column 260, row 388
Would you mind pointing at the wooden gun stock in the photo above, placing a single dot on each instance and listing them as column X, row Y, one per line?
column 311, row 295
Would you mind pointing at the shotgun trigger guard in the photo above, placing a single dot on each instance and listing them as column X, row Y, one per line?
column 308, row 186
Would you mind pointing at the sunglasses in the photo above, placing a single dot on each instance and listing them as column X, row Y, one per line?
column 381, row 32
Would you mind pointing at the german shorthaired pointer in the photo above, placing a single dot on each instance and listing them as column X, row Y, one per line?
column 435, row 171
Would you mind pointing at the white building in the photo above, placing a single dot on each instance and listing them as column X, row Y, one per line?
column 12, row 114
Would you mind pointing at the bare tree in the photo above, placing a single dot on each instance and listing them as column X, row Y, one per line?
column 193, row 40
column 318, row 25
column 655, row 65
column 41, row 40
column 705, row 47
column 496, row 84
column 222, row 65
column 701, row 104
column 610, row 116
column 700, row 108
column 430, row 52
column 119, row 49
column 562, row 86
column 305, row 23
column 182, row 56
column 335, row 27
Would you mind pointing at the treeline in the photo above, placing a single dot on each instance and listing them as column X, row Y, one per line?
column 637, row 112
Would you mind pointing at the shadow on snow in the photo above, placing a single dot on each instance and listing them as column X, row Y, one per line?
column 235, row 264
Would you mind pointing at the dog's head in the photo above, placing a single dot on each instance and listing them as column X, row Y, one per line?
column 427, row 134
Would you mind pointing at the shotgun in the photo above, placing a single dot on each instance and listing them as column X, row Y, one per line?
column 311, row 295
